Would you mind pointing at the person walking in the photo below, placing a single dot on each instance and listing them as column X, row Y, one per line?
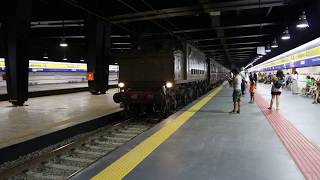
column 255, row 76
column 236, row 95
column 243, row 81
column 295, row 80
column 277, row 83
column 252, row 88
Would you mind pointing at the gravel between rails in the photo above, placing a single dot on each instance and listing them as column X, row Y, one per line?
column 94, row 145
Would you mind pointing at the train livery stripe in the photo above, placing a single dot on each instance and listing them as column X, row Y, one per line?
column 50, row 66
column 125, row 164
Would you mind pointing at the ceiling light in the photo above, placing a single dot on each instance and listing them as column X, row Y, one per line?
column 274, row 43
column 45, row 55
column 65, row 58
column 285, row 35
column 268, row 49
column 302, row 22
column 81, row 59
column 63, row 43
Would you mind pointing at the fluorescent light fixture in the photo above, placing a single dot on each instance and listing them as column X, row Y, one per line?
column 285, row 34
column 302, row 22
column 121, row 48
column 65, row 58
column 81, row 60
column 214, row 13
column 119, row 36
column 121, row 43
column 45, row 57
column 274, row 43
column 63, row 43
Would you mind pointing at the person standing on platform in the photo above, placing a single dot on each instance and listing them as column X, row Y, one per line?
column 253, row 87
column 255, row 76
column 253, row 79
column 288, row 80
column 236, row 95
column 277, row 83
column 294, row 86
column 243, row 81
column 317, row 82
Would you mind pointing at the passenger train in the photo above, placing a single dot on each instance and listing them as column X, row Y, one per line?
column 63, row 73
column 304, row 59
column 161, row 75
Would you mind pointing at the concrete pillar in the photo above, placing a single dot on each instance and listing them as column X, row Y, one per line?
column 17, row 28
column 98, row 42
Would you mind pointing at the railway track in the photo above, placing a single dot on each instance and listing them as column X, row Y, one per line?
column 69, row 159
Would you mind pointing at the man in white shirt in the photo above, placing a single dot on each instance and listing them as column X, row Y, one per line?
column 236, row 95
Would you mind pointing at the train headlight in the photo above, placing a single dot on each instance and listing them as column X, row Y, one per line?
column 121, row 85
column 169, row 85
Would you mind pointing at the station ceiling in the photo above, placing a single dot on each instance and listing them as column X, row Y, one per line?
column 227, row 30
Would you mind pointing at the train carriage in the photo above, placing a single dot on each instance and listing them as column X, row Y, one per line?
column 161, row 75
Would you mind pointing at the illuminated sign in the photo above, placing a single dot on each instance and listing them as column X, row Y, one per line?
column 90, row 76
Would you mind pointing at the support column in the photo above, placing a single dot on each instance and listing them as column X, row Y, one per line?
column 17, row 28
column 98, row 41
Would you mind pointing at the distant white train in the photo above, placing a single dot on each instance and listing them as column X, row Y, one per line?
column 47, row 72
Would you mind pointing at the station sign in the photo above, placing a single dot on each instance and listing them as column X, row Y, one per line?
column 90, row 76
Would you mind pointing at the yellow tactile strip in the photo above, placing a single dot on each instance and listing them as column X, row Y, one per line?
column 126, row 163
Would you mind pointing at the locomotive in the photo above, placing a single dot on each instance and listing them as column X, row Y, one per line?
column 161, row 75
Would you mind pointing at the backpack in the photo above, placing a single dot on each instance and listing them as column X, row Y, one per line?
column 278, row 84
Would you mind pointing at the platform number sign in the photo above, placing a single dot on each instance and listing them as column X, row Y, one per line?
column 90, row 76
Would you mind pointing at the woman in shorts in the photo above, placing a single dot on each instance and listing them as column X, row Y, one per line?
column 276, row 89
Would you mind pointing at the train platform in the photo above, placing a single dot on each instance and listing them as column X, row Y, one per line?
column 48, row 87
column 44, row 115
column 204, row 141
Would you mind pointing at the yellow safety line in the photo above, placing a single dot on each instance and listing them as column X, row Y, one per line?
column 126, row 163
